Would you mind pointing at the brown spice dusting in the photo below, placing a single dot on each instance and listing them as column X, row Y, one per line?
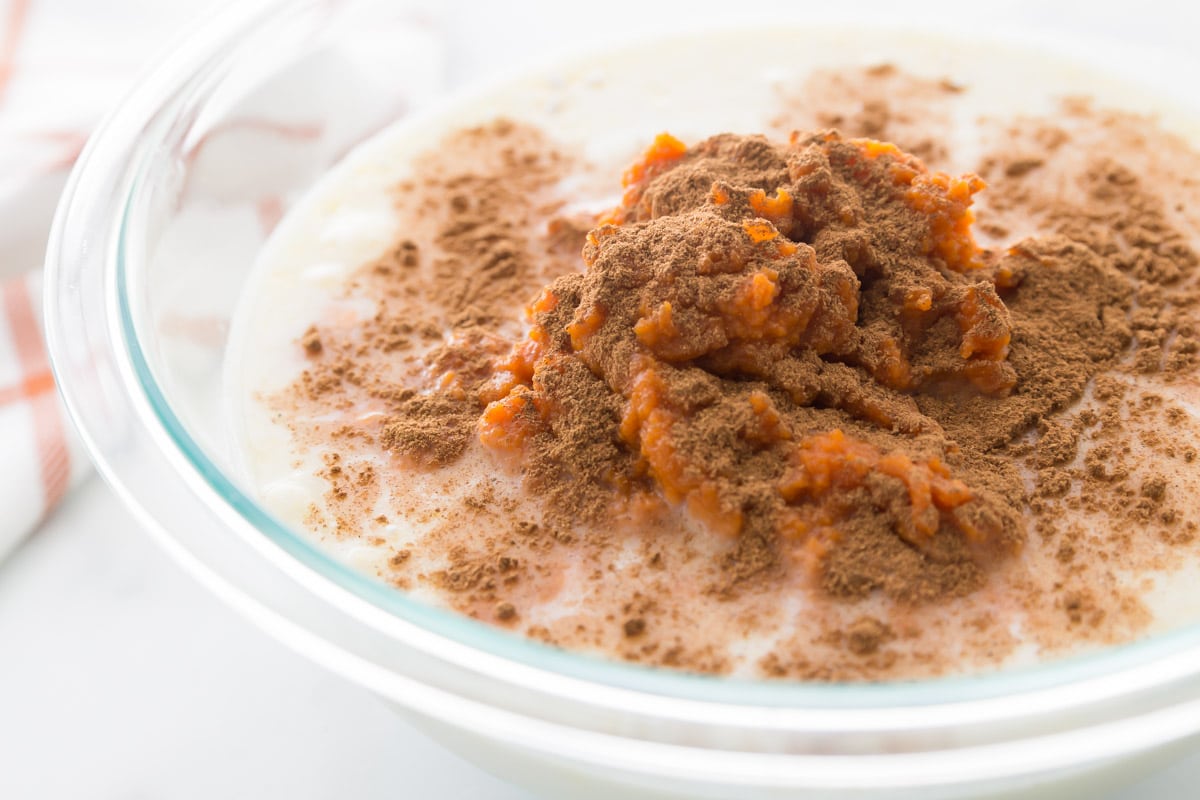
column 431, row 430
column 741, row 370
column 1057, row 444
column 866, row 635
column 781, row 368
column 1022, row 166
column 876, row 102
column 311, row 341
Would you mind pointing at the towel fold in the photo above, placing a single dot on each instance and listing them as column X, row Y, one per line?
column 61, row 67
column 42, row 456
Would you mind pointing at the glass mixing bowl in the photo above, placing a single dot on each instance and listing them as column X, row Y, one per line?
column 156, row 231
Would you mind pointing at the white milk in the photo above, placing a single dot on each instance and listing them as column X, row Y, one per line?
column 608, row 109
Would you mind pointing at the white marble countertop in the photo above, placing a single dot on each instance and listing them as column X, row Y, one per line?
column 121, row 679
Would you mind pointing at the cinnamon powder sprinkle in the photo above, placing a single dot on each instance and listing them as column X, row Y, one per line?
column 790, row 394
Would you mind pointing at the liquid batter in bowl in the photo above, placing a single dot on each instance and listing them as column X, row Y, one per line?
column 795, row 395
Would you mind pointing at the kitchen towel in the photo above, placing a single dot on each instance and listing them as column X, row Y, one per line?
column 42, row 456
column 63, row 64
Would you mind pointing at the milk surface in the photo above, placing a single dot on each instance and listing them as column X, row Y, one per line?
column 606, row 109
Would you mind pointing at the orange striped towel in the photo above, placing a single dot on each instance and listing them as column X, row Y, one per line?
column 62, row 63
column 60, row 67
column 42, row 457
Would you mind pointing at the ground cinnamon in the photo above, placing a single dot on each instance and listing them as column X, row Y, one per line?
column 717, row 396
column 804, row 345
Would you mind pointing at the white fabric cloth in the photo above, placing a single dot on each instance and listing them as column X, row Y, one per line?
column 43, row 458
column 63, row 63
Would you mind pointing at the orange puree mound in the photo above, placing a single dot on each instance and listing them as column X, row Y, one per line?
column 777, row 210
column 945, row 199
column 822, row 467
column 827, row 463
column 648, row 426
column 895, row 190
column 664, row 150
column 660, row 155
column 746, row 294
column 507, row 423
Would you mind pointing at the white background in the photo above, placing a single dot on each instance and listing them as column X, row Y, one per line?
column 120, row 679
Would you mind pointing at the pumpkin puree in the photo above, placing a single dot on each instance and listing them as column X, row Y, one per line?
column 816, row 274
